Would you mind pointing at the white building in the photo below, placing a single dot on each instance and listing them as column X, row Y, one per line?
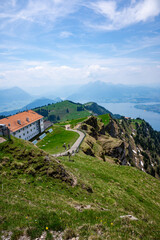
column 25, row 125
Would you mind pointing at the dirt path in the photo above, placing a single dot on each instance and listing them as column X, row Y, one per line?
column 2, row 140
column 75, row 146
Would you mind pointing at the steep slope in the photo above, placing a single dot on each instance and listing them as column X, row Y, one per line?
column 22, row 157
column 39, row 205
column 129, row 142
column 95, row 108
column 99, row 110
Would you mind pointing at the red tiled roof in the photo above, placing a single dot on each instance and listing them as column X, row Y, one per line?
column 25, row 118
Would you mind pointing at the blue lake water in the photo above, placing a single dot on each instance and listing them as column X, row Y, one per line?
column 128, row 110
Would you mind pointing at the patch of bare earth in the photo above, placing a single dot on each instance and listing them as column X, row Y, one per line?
column 2, row 140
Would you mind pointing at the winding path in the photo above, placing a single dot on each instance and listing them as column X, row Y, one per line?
column 75, row 146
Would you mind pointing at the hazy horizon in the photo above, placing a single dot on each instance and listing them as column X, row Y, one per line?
column 55, row 43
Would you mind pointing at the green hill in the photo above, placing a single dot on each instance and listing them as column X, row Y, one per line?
column 84, row 197
column 63, row 111
column 67, row 111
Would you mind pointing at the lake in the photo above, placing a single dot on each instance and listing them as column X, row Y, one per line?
column 128, row 110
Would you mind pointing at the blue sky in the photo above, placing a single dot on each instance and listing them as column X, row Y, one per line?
column 63, row 42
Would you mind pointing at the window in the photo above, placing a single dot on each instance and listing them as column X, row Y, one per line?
column 23, row 134
column 19, row 136
column 31, row 130
column 27, row 132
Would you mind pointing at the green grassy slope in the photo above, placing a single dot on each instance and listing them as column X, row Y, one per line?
column 63, row 111
column 68, row 111
column 53, row 142
column 105, row 118
column 72, row 123
column 34, row 200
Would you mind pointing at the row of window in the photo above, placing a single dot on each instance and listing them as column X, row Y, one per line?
column 27, row 126
column 23, row 129
column 30, row 136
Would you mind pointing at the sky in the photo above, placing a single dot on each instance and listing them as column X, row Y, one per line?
column 54, row 43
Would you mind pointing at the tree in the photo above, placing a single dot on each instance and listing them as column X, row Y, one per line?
column 80, row 108
column 58, row 118
column 52, row 118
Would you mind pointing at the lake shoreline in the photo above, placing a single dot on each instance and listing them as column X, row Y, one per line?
column 129, row 110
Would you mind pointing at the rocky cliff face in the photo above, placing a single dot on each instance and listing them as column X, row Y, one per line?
column 127, row 142
column 100, row 143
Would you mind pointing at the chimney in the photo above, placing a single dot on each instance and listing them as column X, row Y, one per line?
column 19, row 122
column 9, row 124
column 27, row 119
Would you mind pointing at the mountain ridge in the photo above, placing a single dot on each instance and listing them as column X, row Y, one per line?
column 36, row 103
column 106, row 92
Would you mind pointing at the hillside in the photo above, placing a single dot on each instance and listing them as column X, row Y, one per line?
column 67, row 110
column 127, row 142
column 86, row 199
column 20, row 157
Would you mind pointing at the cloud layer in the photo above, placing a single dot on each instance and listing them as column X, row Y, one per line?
column 117, row 18
column 56, row 42
column 114, row 16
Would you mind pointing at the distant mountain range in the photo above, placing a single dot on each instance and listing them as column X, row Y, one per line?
column 106, row 92
column 13, row 94
column 13, row 98
column 36, row 103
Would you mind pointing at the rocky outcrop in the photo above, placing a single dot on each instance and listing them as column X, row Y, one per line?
column 128, row 142
column 112, row 128
column 101, row 144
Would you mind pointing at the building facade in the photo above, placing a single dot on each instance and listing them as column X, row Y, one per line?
column 24, row 125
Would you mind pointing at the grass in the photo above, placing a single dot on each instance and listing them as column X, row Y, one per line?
column 36, row 202
column 53, row 142
column 137, row 120
column 105, row 118
column 66, row 111
column 134, row 121
column 73, row 122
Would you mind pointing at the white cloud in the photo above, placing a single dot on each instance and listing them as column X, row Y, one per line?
column 65, row 34
column 116, row 70
column 39, row 11
column 49, row 11
column 116, row 18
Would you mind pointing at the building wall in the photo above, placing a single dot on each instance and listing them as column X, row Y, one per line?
column 30, row 130
column 42, row 125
